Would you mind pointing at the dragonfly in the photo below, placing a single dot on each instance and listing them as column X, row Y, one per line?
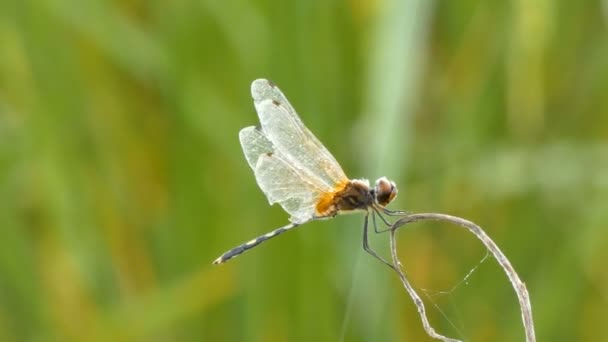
column 295, row 170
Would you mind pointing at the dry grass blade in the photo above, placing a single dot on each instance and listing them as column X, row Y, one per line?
column 518, row 285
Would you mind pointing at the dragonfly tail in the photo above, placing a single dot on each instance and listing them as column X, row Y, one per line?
column 248, row 245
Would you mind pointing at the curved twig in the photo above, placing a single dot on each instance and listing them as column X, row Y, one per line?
column 518, row 285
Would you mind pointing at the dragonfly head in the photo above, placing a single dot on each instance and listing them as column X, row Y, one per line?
column 385, row 191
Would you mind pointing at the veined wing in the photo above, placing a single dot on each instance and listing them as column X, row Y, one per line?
column 254, row 144
column 297, row 144
column 279, row 181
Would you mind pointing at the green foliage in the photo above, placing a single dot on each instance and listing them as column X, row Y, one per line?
column 122, row 179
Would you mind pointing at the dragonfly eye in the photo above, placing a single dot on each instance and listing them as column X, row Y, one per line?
column 385, row 191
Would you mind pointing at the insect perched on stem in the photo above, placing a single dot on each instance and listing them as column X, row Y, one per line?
column 294, row 169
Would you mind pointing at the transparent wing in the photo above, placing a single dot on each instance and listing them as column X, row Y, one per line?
column 277, row 179
column 254, row 144
column 283, row 185
column 282, row 126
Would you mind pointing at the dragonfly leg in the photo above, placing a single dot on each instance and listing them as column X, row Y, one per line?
column 366, row 243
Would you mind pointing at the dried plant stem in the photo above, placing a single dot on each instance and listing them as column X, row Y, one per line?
column 518, row 285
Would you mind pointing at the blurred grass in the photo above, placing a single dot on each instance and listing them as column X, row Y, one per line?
column 121, row 176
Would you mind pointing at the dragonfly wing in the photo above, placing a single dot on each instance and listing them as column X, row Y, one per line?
column 288, row 134
column 277, row 179
column 254, row 144
column 283, row 185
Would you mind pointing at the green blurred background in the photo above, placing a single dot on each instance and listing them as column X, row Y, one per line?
column 122, row 178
